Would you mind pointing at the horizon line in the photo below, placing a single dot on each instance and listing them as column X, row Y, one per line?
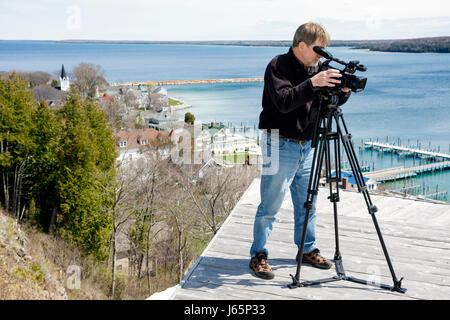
column 219, row 41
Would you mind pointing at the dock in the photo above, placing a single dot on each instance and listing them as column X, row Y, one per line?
column 406, row 150
column 182, row 82
column 397, row 173
column 415, row 232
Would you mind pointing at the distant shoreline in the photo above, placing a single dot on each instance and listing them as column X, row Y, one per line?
column 416, row 45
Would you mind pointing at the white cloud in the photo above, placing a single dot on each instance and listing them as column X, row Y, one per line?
column 219, row 20
column 388, row 29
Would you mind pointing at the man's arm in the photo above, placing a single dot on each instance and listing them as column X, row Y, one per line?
column 283, row 94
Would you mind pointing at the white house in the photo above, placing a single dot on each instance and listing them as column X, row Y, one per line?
column 223, row 142
column 214, row 142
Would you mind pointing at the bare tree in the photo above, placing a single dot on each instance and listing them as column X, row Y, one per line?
column 89, row 78
column 35, row 78
column 156, row 179
column 39, row 78
column 217, row 191
column 150, row 180
column 114, row 113
column 156, row 100
column 180, row 218
column 122, row 190
column 46, row 92
column 174, row 199
column 130, row 99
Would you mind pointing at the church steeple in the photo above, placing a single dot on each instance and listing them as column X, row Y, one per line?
column 64, row 80
column 63, row 73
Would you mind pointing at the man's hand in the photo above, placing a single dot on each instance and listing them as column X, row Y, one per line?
column 326, row 78
column 346, row 90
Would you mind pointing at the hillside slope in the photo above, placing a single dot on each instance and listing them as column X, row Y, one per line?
column 25, row 273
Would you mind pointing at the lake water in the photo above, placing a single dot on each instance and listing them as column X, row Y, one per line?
column 407, row 96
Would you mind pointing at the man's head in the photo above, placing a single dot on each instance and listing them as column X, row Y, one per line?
column 306, row 37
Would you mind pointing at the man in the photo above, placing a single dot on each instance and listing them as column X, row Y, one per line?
column 289, row 104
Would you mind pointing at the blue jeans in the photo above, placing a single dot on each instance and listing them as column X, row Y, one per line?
column 286, row 164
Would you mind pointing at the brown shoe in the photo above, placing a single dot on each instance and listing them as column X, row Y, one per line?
column 315, row 259
column 260, row 266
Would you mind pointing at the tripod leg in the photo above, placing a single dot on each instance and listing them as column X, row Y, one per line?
column 333, row 182
column 357, row 173
column 313, row 187
column 324, row 151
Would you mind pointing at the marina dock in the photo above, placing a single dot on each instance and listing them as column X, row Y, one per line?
column 405, row 150
column 181, row 82
column 391, row 174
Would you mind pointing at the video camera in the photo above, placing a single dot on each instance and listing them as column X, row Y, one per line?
column 348, row 79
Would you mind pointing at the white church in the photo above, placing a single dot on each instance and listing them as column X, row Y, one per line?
column 64, row 82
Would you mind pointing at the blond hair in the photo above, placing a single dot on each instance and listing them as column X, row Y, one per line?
column 310, row 32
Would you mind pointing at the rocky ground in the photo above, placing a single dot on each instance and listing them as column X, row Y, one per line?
column 24, row 272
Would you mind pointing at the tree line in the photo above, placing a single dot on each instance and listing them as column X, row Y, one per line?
column 59, row 172
column 53, row 162
column 431, row 44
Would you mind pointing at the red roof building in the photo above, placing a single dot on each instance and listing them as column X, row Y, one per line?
column 139, row 138
column 106, row 97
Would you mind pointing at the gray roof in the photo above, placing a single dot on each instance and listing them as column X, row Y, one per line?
column 416, row 235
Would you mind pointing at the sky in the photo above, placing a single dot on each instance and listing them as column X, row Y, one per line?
column 191, row 20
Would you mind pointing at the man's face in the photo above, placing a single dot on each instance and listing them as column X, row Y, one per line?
column 307, row 54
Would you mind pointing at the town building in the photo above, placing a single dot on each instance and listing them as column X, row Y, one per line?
column 216, row 140
column 348, row 181
column 132, row 143
column 223, row 142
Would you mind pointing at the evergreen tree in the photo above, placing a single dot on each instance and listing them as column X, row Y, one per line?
column 87, row 161
column 44, row 165
column 189, row 118
column 59, row 162
column 16, row 143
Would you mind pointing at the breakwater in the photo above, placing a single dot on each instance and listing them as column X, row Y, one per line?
column 181, row 82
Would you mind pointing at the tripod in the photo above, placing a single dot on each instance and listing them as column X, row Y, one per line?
column 323, row 137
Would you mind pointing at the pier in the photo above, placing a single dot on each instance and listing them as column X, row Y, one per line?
column 405, row 150
column 181, row 82
column 402, row 173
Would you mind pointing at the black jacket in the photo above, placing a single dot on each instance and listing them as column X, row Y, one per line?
column 289, row 98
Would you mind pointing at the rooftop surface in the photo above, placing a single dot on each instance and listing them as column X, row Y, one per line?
column 416, row 233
